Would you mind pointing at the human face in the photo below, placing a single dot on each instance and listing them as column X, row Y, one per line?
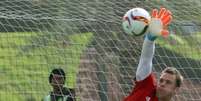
column 166, row 87
column 57, row 81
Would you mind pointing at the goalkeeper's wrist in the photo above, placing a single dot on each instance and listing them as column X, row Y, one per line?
column 150, row 36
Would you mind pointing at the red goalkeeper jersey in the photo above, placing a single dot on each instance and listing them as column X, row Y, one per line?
column 144, row 90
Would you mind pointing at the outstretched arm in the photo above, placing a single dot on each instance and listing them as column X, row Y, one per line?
column 157, row 27
column 144, row 68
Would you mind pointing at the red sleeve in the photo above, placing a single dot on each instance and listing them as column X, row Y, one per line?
column 142, row 88
column 149, row 82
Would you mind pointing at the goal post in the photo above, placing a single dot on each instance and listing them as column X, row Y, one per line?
column 86, row 39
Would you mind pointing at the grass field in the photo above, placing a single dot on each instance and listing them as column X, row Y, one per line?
column 27, row 58
column 25, row 63
column 188, row 46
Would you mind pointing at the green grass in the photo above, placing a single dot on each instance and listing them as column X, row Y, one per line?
column 188, row 46
column 25, row 62
column 25, row 66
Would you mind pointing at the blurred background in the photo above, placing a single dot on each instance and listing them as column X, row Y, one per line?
column 85, row 38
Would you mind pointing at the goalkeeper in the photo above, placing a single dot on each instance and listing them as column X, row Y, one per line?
column 59, row 93
column 146, row 88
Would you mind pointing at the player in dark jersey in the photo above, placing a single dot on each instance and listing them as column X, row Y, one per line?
column 59, row 93
column 146, row 87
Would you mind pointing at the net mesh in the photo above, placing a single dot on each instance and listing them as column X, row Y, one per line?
column 85, row 38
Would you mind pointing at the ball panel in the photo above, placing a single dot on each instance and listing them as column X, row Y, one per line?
column 135, row 21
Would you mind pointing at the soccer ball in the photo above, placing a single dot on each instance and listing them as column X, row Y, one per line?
column 135, row 21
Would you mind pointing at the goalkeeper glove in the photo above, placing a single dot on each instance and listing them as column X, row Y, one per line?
column 159, row 23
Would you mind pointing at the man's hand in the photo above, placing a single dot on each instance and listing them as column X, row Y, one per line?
column 159, row 23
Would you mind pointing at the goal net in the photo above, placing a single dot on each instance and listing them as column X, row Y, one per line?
column 85, row 38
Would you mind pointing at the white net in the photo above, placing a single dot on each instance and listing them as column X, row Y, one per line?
column 85, row 38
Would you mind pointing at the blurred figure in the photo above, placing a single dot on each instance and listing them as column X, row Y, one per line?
column 59, row 93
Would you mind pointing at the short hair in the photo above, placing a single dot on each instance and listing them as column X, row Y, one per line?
column 57, row 71
column 174, row 71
